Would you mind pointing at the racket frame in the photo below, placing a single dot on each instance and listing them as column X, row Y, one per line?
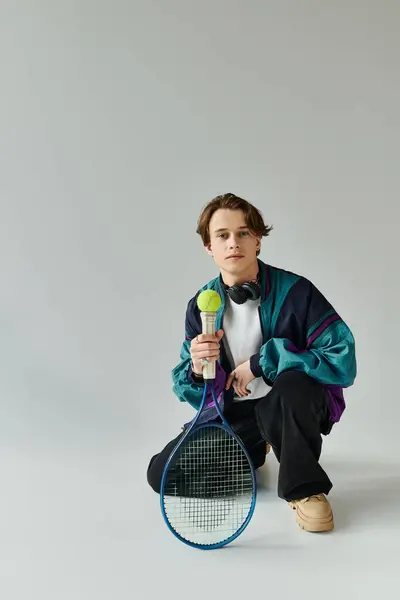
column 209, row 383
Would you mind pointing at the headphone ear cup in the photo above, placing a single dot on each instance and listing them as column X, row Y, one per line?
column 237, row 294
column 252, row 290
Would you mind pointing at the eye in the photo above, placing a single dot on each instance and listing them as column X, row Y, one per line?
column 245, row 232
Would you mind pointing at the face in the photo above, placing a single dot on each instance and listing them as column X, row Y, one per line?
column 229, row 236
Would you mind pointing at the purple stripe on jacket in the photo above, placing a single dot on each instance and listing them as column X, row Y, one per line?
column 210, row 412
column 219, row 386
column 321, row 328
column 336, row 400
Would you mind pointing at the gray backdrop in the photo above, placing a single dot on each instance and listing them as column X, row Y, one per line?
column 118, row 122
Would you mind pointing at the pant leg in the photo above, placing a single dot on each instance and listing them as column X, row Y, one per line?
column 291, row 418
column 157, row 464
column 242, row 420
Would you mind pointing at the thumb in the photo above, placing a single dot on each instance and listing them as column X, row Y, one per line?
column 229, row 380
column 219, row 334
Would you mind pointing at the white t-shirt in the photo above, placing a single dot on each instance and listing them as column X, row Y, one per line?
column 243, row 338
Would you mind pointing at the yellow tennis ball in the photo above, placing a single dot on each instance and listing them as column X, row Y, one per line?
column 209, row 301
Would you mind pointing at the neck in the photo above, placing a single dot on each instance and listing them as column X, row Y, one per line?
column 239, row 278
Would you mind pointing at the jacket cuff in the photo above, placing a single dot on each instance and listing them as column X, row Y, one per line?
column 197, row 379
column 255, row 365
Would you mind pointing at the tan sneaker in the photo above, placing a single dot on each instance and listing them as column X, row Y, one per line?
column 313, row 513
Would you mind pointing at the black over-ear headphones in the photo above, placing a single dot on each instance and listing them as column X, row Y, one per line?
column 250, row 290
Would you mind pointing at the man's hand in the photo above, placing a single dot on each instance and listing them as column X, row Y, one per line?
column 205, row 347
column 240, row 378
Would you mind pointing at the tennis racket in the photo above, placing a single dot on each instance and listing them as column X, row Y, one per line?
column 208, row 487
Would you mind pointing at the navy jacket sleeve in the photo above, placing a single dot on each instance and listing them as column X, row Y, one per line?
column 309, row 336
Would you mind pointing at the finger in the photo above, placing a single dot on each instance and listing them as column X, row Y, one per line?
column 206, row 347
column 210, row 348
column 233, row 378
column 238, row 390
column 229, row 381
column 206, row 354
column 242, row 389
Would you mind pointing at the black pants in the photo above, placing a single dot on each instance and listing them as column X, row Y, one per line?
column 291, row 418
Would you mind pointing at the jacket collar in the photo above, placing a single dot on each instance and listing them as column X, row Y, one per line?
column 265, row 283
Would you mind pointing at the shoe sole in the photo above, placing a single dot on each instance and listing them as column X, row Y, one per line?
column 320, row 526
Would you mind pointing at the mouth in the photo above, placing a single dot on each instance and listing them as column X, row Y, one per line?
column 235, row 257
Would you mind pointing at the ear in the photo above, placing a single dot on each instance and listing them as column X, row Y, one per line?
column 208, row 249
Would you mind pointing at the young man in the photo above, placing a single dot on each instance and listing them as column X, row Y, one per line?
column 283, row 356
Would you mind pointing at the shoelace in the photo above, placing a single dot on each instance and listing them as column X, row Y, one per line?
column 304, row 500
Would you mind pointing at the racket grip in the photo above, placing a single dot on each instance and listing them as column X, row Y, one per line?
column 208, row 320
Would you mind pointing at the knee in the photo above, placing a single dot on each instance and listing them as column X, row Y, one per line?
column 153, row 478
column 290, row 387
column 295, row 381
column 291, row 379
column 293, row 388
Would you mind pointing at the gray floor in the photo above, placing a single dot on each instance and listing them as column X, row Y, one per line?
column 79, row 522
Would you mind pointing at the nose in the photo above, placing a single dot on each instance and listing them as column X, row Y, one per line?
column 233, row 242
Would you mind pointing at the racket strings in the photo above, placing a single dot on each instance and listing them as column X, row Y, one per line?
column 208, row 490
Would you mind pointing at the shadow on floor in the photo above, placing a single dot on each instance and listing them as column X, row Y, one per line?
column 365, row 492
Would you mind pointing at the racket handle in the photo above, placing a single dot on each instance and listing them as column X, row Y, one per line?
column 208, row 320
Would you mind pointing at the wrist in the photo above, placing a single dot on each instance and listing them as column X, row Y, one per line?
column 197, row 373
column 254, row 364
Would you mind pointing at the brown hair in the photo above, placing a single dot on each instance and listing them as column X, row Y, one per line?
column 253, row 216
